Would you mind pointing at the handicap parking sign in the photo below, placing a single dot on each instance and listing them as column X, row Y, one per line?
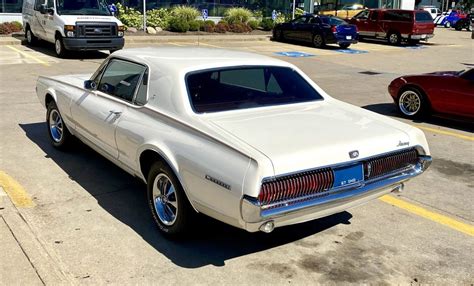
column 294, row 54
column 351, row 51
column 204, row 14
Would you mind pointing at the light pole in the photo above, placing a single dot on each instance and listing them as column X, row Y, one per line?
column 144, row 15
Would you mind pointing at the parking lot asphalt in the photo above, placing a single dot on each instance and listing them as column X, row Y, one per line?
column 73, row 217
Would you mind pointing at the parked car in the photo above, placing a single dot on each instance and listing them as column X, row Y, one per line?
column 433, row 10
column 465, row 23
column 449, row 19
column 318, row 30
column 72, row 25
column 394, row 25
column 246, row 139
column 345, row 12
column 449, row 93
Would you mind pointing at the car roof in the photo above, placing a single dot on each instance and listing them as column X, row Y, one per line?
column 178, row 59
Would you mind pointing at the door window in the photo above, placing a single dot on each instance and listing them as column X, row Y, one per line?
column 38, row 4
column 362, row 15
column 374, row 16
column 301, row 20
column 121, row 78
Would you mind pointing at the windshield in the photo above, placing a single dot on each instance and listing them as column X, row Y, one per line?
column 82, row 7
column 247, row 87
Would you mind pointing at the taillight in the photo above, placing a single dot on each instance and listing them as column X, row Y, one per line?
column 333, row 29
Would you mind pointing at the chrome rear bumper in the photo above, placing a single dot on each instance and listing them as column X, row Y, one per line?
column 339, row 200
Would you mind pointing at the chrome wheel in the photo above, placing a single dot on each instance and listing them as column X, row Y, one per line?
column 56, row 126
column 393, row 39
column 28, row 36
column 409, row 103
column 164, row 199
column 58, row 46
column 318, row 41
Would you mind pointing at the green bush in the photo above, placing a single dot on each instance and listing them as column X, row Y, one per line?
column 253, row 24
column 158, row 18
column 221, row 27
column 186, row 13
column 178, row 25
column 194, row 25
column 267, row 24
column 129, row 16
column 208, row 26
column 237, row 15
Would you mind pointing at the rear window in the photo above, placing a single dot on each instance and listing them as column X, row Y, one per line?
column 333, row 21
column 247, row 87
column 423, row 17
column 401, row 16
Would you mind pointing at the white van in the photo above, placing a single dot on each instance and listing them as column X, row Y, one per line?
column 432, row 10
column 72, row 25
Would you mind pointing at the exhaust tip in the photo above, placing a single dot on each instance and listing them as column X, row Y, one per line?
column 267, row 227
column 398, row 189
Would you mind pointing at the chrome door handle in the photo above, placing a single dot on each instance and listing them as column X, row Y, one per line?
column 115, row 112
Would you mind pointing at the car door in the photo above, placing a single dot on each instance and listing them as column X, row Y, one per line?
column 49, row 26
column 361, row 20
column 295, row 29
column 38, row 20
column 458, row 94
column 97, row 112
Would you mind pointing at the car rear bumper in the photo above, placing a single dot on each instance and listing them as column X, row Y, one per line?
column 88, row 44
column 423, row 37
column 255, row 217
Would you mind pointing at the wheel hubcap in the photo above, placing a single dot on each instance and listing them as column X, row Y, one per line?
column 56, row 126
column 164, row 199
column 410, row 102
column 318, row 41
column 393, row 38
column 57, row 45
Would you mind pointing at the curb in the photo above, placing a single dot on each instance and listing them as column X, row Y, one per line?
column 15, row 41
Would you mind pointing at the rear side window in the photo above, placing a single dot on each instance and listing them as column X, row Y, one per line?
column 423, row 17
column 121, row 78
column 247, row 87
column 334, row 21
column 400, row 16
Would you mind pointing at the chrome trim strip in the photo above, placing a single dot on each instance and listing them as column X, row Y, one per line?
column 252, row 210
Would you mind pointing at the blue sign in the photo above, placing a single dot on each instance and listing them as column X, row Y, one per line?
column 274, row 15
column 351, row 51
column 294, row 54
column 204, row 14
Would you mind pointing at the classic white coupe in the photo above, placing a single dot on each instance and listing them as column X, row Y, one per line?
column 246, row 139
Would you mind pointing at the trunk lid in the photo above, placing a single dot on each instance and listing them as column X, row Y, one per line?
column 305, row 137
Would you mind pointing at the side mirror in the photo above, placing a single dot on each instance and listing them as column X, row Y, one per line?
column 90, row 84
column 50, row 11
column 43, row 9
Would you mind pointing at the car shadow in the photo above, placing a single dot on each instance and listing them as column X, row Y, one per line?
column 390, row 109
column 123, row 197
column 48, row 49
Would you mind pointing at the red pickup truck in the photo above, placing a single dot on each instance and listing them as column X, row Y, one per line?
column 394, row 25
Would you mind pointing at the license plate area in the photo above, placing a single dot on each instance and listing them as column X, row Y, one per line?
column 346, row 176
column 348, row 37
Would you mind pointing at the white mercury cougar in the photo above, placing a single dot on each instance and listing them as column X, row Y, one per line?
column 246, row 139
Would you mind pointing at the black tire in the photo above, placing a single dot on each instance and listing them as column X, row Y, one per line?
column 394, row 38
column 57, row 130
column 278, row 35
column 162, row 208
column 344, row 45
column 59, row 47
column 318, row 41
column 31, row 39
column 412, row 103
column 447, row 24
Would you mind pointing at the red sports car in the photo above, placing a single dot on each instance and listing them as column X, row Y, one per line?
column 440, row 93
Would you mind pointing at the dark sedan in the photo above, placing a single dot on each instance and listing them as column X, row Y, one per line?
column 318, row 30
column 441, row 93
